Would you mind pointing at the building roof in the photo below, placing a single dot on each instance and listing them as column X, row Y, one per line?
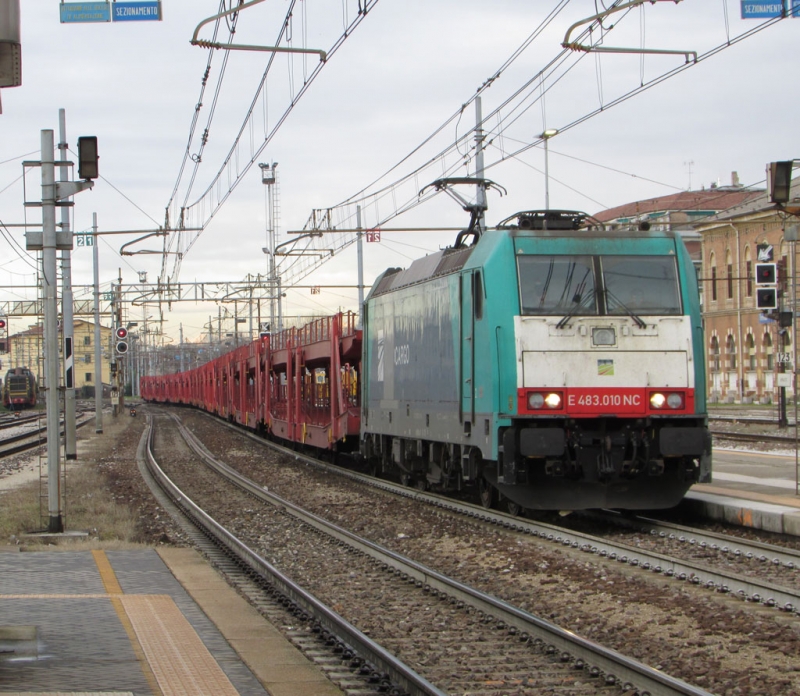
column 708, row 201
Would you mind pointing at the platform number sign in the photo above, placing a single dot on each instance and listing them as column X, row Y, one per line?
column 84, row 240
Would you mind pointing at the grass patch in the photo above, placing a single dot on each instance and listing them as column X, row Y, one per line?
column 89, row 507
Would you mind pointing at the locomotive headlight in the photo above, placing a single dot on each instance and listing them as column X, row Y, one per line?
column 553, row 400
column 535, row 400
column 540, row 400
column 603, row 337
column 673, row 400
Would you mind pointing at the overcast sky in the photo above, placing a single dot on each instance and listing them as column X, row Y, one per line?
column 405, row 70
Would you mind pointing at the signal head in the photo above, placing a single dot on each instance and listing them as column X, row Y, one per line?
column 121, row 333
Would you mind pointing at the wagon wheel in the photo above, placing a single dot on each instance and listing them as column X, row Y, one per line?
column 421, row 484
column 487, row 493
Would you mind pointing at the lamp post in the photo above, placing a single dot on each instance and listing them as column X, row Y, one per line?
column 549, row 133
column 269, row 177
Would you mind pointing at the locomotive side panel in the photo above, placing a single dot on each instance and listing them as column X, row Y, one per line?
column 411, row 359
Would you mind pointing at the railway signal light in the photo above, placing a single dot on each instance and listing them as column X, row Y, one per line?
column 766, row 298
column 121, row 335
column 87, row 157
column 780, row 181
column 766, row 274
column 3, row 323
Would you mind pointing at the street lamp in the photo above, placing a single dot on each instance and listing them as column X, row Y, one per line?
column 549, row 133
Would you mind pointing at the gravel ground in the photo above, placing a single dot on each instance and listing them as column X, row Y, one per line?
column 113, row 454
column 710, row 640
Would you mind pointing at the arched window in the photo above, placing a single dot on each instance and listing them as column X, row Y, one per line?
column 730, row 349
column 713, row 358
column 748, row 262
column 750, row 345
column 767, row 344
column 729, row 265
column 713, row 266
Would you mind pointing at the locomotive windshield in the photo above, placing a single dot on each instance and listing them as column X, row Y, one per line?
column 591, row 285
column 642, row 284
column 557, row 284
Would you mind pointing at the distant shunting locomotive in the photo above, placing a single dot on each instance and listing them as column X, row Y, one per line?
column 19, row 389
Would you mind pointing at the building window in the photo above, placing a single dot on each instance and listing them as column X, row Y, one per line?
column 87, row 378
column 714, row 283
column 713, row 362
column 751, row 352
column 87, row 340
column 730, row 281
column 730, row 349
column 768, row 350
column 749, row 278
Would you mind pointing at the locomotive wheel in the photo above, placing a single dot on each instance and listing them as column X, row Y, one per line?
column 487, row 493
column 514, row 509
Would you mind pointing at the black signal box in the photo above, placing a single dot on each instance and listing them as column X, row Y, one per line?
column 766, row 298
column 766, row 274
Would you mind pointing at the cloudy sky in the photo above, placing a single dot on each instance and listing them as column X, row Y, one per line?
column 396, row 83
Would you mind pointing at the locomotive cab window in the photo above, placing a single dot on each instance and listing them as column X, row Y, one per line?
column 641, row 284
column 557, row 284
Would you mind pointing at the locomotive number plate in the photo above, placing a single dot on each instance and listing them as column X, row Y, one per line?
column 605, row 401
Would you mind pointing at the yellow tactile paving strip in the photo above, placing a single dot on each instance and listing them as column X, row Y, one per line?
column 174, row 659
column 181, row 663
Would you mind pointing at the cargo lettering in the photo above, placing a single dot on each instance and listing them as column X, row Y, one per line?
column 401, row 355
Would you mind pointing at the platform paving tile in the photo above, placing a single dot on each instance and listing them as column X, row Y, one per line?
column 81, row 647
column 143, row 572
column 50, row 573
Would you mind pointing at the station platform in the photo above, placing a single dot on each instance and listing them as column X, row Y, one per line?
column 751, row 489
column 141, row 622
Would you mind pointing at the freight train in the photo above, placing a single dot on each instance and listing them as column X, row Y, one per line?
column 545, row 362
column 19, row 389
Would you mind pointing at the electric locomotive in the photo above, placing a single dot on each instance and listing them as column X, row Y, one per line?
column 550, row 363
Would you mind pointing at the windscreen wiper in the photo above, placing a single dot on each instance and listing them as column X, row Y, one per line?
column 579, row 303
column 636, row 318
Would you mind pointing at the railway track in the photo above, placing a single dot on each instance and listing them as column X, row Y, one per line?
column 31, row 433
column 423, row 616
column 786, row 440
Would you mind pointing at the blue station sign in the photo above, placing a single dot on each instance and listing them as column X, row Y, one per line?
column 74, row 12
column 768, row 9
column 137, row 12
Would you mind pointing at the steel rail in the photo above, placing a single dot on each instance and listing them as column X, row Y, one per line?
column 613, row 665
column 736, row 546
column 329, row 620
column 769, row 594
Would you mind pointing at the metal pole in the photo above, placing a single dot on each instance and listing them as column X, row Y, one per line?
column 479, row 170
column 49, row 282
column 68, row 322
column 360, row 268
column 546, row 178
column 98, row 348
